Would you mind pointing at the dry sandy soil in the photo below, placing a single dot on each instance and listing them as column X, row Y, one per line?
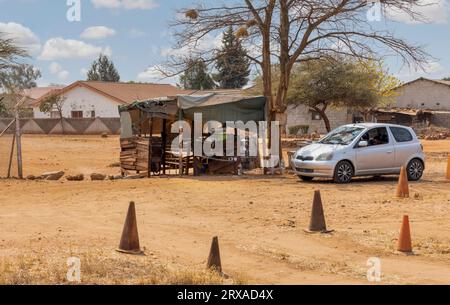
column 259, row 221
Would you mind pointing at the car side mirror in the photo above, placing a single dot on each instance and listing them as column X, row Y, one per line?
column 363, row 144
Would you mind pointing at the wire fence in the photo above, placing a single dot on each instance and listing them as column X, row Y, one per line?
column 8, row 160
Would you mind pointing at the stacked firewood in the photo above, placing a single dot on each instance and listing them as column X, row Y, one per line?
column 128, row 154
column 135, row 153
column 142, row 155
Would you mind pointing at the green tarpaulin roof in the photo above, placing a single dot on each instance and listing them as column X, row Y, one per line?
column 213, row 107
column 223, row 107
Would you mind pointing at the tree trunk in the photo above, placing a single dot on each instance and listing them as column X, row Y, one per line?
column 326, row 121
column 323, row 115
column 62, row 120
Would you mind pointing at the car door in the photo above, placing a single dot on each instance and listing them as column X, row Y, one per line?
column 378, row 157
column 405, row 146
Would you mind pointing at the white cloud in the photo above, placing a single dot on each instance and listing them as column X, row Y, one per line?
column 152, row 74
column 97, row 32
column 125, row 4
column 56, row 69
column 63, row 75
column 433, row 70
column 24, row 37
column 435, row 11
column 59, row 48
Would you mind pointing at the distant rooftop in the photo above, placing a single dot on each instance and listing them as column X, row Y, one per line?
column 126, row 93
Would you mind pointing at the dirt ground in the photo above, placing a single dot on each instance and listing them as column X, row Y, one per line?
column 259, row 221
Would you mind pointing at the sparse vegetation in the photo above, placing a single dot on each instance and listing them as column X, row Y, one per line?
column 294, row 130
column 102, row 268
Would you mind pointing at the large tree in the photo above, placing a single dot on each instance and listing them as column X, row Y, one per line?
column 14, row 79
column 196, row 76
column 103, row 69
column 325, row 84
column 232, row 63
column 286, row 32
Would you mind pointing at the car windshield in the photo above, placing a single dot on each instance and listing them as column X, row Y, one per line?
column 342, row 136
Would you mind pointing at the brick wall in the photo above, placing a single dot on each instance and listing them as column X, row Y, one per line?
column 301, row 115
column 441, row 119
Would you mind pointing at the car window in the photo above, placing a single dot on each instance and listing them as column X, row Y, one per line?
column 342, row 136
column 401, row 134
column 376, row 136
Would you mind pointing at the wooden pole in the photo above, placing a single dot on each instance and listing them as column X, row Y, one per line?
column 180, row 145
column 19, row 144
column 11, row 156
column 164, row 140
column 150, row 147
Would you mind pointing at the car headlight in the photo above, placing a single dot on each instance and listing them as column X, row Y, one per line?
column 325, row 157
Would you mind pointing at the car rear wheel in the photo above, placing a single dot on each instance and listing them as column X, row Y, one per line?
column 306, row 178
column 344, row 172
column 415, row 170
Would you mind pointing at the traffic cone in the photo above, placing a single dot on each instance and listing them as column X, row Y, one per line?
column 448, row 168
column 129, row 242
column 404, row 240
column 317, row 222
column 403, row 187
column 214, row 261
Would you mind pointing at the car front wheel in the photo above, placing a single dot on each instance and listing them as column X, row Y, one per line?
column 344, row 172
column 415, row 170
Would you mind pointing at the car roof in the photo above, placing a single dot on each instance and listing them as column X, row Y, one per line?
column 374, row 125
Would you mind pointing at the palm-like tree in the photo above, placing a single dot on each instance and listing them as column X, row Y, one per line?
column 9, row 52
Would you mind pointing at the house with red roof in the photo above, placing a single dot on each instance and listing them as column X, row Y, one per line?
column 96, row 99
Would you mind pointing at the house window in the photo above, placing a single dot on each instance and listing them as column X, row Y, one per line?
column 315, row 116
column 93, row 114
column 77, row 114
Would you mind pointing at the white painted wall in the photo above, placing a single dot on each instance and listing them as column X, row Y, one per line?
column 424, row 94
column 83, row 99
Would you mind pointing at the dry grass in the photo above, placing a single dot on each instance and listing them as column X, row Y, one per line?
column 102, row 268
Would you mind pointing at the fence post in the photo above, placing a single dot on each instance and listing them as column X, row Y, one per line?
column 19, row 144
column 11, row 154
column 180, row 145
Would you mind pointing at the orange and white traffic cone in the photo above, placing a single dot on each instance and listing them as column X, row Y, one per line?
column 214, row 261
column 403, row 187
column 448, row 168
column 404, row 240
column 317, row 223
column 129, row 243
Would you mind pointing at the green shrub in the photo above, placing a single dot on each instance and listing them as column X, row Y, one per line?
column 294, row 130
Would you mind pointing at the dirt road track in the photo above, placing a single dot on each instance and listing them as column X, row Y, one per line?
column 259, row 221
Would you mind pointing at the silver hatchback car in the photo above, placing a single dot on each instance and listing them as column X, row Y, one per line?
column 368, row 149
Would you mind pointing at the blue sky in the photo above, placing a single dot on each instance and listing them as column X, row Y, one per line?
column 135, row 34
